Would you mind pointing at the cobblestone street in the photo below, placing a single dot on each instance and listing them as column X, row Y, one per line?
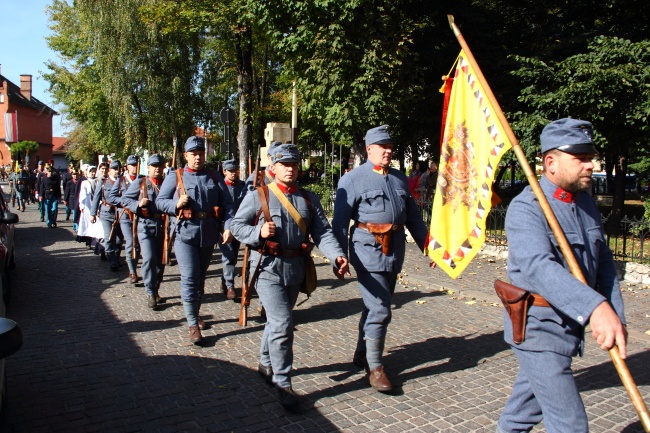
column 96, row 359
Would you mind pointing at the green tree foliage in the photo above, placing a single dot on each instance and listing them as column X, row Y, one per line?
column 608, row 85
column 237, row 64
column 23, row 148
column 130, row 85
column 355, row 66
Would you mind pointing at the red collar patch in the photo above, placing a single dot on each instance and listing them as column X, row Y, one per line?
column 287, row 189
column 380, row 170
column 229, row 182
column 563, row 195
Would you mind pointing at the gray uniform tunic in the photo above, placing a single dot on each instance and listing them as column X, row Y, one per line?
column 150, row 230
column 195, row 237
column 230, row 251
column 106, row 212
column 366, row 196
column 126, row 224
column 280, row 278
column 555, row 334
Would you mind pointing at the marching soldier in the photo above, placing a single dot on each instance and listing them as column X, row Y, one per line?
column 198, row 199
column 377, row 198
column 281, row 236
column 126, row 218
column 554, row 331
column 21, row 180
column 229, row 252
column 107, row 215
column 140, row 199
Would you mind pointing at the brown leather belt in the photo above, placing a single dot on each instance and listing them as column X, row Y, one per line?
column 189, row 214
column 395, row 227
column 539, row 301
column 283, row 252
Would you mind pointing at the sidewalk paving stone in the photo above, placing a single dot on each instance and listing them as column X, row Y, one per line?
column 95, row 359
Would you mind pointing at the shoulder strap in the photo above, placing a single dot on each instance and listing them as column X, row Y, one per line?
column 179, row 182
column 292, row 210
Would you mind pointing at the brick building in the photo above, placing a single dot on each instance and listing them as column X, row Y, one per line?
column 23, row 117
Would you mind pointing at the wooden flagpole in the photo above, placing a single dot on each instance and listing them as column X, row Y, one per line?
column 565, row 248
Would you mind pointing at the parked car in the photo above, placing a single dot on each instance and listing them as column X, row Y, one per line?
column 7, row 254
column 11, row 339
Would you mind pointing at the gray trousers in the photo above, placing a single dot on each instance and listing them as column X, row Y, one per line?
column 229, row 254
column 276, row 348
column 544, row 389
column 151, row 240
column 127, row 227
column 111, row 244
column 377, row 290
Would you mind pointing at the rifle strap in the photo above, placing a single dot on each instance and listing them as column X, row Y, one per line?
column 263, row 192
column 143, row 188
column 179, row 182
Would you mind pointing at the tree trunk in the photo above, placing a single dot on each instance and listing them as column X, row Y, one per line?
column 245, row 90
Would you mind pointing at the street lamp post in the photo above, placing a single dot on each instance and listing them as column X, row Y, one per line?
column 227, row 116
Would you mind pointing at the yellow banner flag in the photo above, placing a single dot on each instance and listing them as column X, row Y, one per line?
column 473, row 143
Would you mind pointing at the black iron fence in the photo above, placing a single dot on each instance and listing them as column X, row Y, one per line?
column 631, row 244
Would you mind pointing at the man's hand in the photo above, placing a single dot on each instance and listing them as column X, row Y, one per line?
column 93, row 219
column 342, row 268
column 182, row 201
column 145, row 201
column 227, row 237
column 607, row 329
column 268, row 230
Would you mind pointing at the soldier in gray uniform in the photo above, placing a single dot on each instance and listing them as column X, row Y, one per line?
column 376, row 197
column 545, row 388
column 198, row 199
column 107, row 214
column 237, row 190
column 140, row 199
column 126, row 218
column 283, row 246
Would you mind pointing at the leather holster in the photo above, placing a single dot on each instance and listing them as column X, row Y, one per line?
column 516, row 301
column 383, row 234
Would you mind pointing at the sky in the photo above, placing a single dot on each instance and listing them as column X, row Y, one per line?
column 24, row 49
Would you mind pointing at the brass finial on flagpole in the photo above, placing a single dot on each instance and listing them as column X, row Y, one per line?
column 565, row 248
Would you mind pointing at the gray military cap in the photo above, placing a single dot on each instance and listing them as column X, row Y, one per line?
column 285, row 153
column 155, row 159
column 194, row 143
column 378, row 135
column 230, row 165
column 568, row 135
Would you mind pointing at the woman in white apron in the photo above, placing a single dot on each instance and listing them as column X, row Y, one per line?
column 86, row 228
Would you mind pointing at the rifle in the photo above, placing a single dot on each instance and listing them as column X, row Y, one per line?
column 167, row 249
column 118, row 216
column 134, row 222
column 174, row 154
column 246, row 286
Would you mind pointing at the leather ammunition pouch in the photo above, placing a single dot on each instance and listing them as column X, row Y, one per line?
column 383, row 233
column 517, row 301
